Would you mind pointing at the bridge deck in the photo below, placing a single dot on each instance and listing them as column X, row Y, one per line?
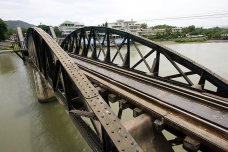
column 201, row 115
column 184, row 105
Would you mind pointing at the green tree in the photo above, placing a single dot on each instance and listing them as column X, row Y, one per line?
column 158, row 35
column 106, row 24
column 24, row 31
column 216, row 35
column 57, row 31
column 42, row 26
column 3, row 30
column 150, row 36
column 185, row 30
column 10, row 32
column 144, row 26
column 194, row 32
column 168, row 30
column 192, row 28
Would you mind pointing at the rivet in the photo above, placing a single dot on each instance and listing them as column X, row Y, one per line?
column 123, row 149
column 125, row 136
column 132, row 143
column 107, row 123
column 109, row 113
column 112, row 131
column 102, row 116
column 118, row 140
column 98, row 111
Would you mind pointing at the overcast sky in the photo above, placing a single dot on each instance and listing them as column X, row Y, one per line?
column 94, row 12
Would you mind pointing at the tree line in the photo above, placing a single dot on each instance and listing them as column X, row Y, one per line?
column 210, row 33
column 6, row 32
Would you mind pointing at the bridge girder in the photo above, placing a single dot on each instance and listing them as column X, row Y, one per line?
column 62, row 73
column 92, row 41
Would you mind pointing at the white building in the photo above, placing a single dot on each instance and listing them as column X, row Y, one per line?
column 67, row 27
column 177, row 29
column 129, row 26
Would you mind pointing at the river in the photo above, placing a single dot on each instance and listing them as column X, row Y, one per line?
column 29, row 126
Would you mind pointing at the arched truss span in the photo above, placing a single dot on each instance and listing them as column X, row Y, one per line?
column 181, row 111
column 109, row 45
column 78, row 95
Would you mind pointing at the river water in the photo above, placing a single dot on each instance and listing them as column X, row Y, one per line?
column 29, row 126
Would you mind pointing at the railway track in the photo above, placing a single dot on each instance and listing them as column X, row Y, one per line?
column 190, row 111
column 197, row 117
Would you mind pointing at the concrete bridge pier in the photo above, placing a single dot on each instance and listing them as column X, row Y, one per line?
column 43, row 91
column 143, row 131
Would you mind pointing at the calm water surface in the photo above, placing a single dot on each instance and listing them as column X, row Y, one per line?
column 28, row 126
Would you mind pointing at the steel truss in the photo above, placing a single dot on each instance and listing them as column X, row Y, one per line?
column 78, row 95
column 93, row 41
column 81, row 98
column 91, row 47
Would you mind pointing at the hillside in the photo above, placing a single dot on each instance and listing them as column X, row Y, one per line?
column 15, row 23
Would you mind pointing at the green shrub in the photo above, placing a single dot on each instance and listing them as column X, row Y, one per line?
column 191, row 39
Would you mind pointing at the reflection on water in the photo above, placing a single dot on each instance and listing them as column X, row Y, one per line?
column 27, row 125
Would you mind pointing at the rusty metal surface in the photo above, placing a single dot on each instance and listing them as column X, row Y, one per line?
column 112, row 125
column 216, row 115
column 209, row 118
column 186, row 109
column 79, row 43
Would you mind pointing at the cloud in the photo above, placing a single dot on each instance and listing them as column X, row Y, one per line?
column 94, row 12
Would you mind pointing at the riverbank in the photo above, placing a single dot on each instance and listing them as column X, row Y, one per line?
column 7, row 45
column 207, row 41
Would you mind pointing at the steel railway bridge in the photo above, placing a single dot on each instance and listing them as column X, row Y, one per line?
column 88, row 72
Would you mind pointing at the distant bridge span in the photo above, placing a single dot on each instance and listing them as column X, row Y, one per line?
column 87, row 76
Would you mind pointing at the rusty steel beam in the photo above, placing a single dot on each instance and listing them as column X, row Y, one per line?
column 196, row 114
column 138, row 90
column 70, row 83
column 173, row 57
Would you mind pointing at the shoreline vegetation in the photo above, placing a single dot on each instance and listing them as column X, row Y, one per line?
column 183, row 40
column 6, row 45
column 186, row 34
column 196, row 40
column 203, row 39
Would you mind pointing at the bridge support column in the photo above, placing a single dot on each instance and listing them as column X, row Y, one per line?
column 43, row 91
column 142, row 130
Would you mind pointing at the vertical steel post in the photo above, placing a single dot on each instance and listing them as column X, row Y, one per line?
column 108, row 55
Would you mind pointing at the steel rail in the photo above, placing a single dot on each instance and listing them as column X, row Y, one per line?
column 191, row 92
column 206, row 124
column 222, row 107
